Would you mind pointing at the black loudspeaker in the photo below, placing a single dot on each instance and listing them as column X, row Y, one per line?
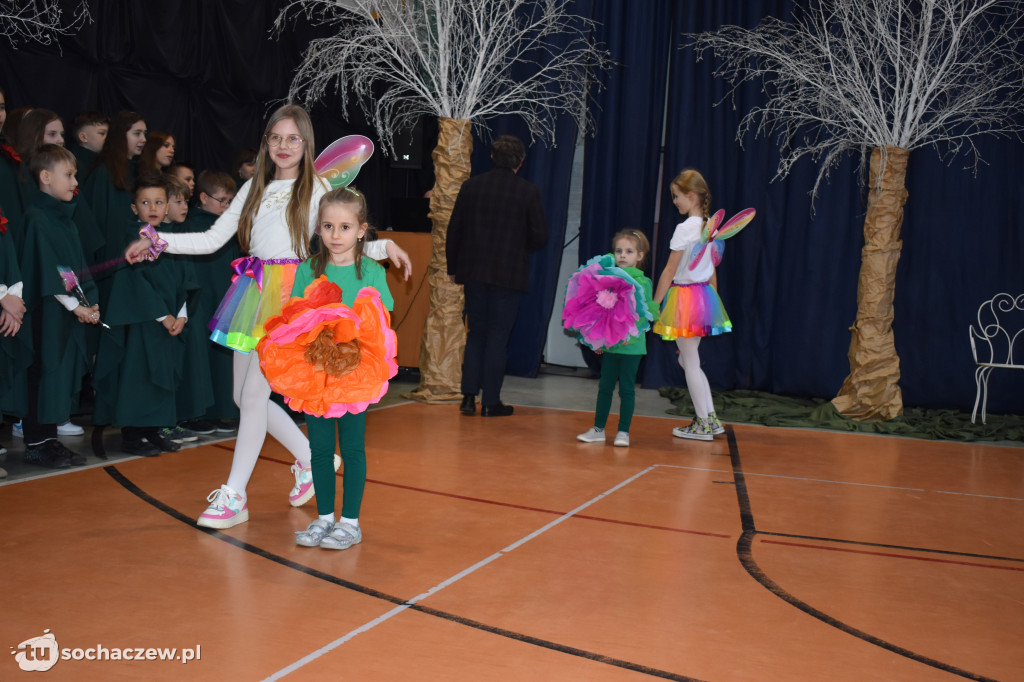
column 408, row 147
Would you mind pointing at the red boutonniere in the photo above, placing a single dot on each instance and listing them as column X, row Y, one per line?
column 9, row 152
column 3, row 224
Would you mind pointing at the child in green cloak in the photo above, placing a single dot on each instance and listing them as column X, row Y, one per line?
column 56, row 318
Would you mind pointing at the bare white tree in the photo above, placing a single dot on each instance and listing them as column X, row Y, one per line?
column 39, row 21
column 890, row 76
column 457, row 59
column 463, row 61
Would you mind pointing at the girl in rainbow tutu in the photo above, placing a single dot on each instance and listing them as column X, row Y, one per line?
column 688, row 288
column 274, row 215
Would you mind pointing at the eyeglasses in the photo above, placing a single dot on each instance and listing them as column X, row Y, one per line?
column 223, row 202
column 289, row 141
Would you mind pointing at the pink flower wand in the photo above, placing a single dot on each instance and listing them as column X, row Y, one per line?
column 71, row 284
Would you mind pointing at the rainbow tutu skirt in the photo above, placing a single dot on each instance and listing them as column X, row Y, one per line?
column 692, row 310
column 258, row 291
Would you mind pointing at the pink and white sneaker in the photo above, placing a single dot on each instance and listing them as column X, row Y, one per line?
column 303, row 490
column 227, row 508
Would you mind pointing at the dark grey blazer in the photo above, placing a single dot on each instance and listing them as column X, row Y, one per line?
column 498, row 219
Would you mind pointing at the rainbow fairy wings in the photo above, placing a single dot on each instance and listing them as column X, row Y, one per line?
column 712, row 235
column 340, row 162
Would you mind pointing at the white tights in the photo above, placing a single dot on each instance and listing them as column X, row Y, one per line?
column 696, row 382
column 258, row 415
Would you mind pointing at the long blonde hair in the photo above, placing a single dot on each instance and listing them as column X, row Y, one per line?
column 297, row 212
column 692, row 181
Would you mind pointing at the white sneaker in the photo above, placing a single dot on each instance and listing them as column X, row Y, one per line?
column 227, row 509
column 594, row 435
column 622, row 439
column 17, row 431
column 302, row 492
column 69, row 429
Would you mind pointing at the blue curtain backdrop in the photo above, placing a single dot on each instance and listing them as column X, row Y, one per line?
column 790, row 280
column 620, row 173
column 209, row 75
column 549, row 167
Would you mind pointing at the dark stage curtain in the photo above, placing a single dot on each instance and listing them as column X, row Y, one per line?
column 789, row 281
column 549, row 167
column 620, row 174
column 209, row 73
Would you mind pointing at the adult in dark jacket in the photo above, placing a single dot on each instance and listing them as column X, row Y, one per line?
column 497, row 221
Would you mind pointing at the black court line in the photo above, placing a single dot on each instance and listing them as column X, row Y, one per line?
column 743, row 551
column 362, row 589
column 991, row 557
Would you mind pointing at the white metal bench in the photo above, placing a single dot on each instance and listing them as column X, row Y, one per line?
column 993, row 341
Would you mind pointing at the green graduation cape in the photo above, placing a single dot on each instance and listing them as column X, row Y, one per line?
column 16, row 350
column 213, row 272
column 139, row 365
column 51, row 241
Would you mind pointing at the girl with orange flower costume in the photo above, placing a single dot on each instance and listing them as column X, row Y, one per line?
column 273, row 216
column 330, row 354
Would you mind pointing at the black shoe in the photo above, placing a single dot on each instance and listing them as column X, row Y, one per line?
column 76, row 459
column 226, row 426
column 499, row 410
column 203, row 427
column 141, row 447
column 162, row 442
column 468, row 406
column 49, row 454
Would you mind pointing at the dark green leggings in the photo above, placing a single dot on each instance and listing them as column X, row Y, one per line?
column 621, row 369
column 351, row 432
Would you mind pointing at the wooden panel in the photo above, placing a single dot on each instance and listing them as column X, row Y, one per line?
column 412, row 297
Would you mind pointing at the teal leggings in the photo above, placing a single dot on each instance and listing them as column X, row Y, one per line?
column 351, row 432
column 621, row 369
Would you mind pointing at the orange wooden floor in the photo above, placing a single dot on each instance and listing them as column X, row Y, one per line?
column 502, row 549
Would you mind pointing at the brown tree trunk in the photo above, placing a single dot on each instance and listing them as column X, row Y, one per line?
column 872, row 391
column 444, row 333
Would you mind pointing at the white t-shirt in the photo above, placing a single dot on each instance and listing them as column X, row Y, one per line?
column 269, row 239
column 686, row 236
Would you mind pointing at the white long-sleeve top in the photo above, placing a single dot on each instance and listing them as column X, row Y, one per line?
column 269, row 239
column 13, row 290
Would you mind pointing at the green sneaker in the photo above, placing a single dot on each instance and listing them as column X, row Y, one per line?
column 716, row 426
column 698, row 429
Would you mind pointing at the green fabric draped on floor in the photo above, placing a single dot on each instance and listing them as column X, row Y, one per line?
column 755, row 407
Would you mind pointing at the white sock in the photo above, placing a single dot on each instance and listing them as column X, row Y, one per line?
column 329, row 518
column 352, row 522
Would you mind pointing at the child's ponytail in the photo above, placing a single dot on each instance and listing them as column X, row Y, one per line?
column 692, row 181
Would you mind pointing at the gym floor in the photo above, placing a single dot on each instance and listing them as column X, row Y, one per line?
column 503, row 549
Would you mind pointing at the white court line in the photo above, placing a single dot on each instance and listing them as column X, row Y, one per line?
column 287, row 670
column 991, row 497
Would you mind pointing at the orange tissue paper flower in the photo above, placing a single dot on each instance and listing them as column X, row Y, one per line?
column 325, row 358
